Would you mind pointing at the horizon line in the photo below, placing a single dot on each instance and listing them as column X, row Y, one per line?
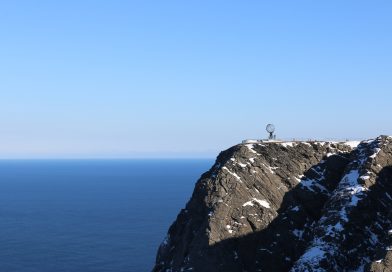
column 104, row 158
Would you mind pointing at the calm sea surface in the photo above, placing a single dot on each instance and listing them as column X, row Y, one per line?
column 90, row 215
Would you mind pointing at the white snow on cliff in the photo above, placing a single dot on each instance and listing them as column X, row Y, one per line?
column 353, row 144
column 232, row 173
column 347, row 195
column 263, row 203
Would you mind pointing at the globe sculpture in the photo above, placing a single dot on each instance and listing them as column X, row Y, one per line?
column 270, row 129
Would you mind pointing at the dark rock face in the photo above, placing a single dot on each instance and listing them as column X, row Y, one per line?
column 304, row 206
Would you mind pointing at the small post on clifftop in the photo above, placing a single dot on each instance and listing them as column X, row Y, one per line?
column 271, row 129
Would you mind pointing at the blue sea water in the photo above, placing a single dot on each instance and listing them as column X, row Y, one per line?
column 90, row 215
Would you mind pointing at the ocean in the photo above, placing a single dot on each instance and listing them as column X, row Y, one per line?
column 90, row 215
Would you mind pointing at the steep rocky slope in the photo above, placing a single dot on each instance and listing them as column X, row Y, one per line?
column 303, row 206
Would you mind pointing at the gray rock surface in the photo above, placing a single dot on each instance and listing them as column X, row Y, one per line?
column 291, row 206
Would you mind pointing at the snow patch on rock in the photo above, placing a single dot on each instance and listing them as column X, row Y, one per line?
column 262, row 203
column 232, row 173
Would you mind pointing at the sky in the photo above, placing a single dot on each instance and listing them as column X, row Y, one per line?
column 176, row 79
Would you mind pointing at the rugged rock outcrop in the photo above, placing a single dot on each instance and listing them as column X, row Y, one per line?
column 288, row 206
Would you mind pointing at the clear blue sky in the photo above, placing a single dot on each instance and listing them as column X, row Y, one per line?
column 189, row 78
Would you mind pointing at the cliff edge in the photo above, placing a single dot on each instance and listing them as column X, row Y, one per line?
column 288, row 206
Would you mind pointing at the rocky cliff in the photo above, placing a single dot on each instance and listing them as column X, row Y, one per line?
column 288, row 206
